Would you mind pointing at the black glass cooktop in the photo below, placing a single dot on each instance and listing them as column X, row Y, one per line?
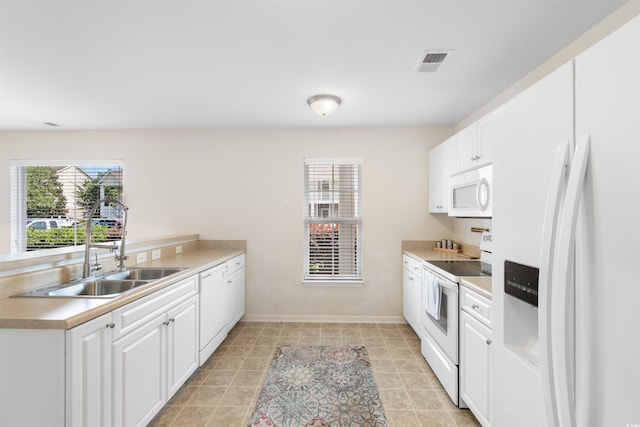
column 463, row 268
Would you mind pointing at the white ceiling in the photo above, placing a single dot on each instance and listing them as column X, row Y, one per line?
column 141, row 64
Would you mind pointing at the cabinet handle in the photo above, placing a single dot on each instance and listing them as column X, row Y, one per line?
column 438, row 206
column 411, row 278
column 111, row 325
column 208, row 275
column 171, row 320
column 475, row 306
column 228, row 282
column 488, row 342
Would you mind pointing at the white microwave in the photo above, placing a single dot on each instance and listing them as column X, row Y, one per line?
column 470, row 193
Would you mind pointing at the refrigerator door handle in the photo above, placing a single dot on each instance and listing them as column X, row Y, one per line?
column 549, row 238
column 562, row 312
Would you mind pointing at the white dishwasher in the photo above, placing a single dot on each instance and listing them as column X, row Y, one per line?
column 213, row 292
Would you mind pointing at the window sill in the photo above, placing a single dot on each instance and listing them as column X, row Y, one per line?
column 333, row 283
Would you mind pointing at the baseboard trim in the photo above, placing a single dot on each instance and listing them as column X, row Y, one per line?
column 321, row 318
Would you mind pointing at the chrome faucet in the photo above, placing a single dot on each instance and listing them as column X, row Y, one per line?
column 88, row 267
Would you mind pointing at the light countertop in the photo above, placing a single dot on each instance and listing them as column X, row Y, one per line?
column 431, row 255
column 481, row 285
column 65, row 313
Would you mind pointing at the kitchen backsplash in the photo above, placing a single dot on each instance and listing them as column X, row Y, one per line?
column 462, row 230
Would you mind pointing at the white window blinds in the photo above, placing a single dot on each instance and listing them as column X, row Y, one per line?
column 333, row 219
column 50, row 203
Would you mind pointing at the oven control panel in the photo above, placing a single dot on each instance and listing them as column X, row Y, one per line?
column 521, row 281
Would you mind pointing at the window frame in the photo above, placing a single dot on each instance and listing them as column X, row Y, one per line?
column 355, row 276
column 18, row 214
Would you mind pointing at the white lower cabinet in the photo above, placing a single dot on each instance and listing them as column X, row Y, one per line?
column 118, row 369
column 475, row 355
column 182, row 344
column 151, row 362
column 235, row 282
column 88, row 365
column 139, row 365
column 412, row 292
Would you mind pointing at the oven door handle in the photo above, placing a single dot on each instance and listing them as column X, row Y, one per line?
column 444, row 283
column 448, row 285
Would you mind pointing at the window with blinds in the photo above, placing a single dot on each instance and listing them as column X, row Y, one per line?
column 51, row 202
column 333, row 219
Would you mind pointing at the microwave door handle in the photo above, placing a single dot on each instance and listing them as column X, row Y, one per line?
column 483, row 185
column 549, row 238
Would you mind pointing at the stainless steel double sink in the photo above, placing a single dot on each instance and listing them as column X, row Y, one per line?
column 109, row 285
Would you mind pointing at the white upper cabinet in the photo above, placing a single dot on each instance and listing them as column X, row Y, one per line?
column 440, row 166
column 473, row 145
column 484, row 141
column 469, row 149
column 465, row 148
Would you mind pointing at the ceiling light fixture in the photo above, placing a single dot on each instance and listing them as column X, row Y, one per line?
column 324, row 104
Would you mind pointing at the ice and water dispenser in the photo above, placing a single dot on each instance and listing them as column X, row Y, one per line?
column 521, row 311
column 521, row 281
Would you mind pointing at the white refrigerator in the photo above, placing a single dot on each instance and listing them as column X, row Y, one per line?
column 567, row 202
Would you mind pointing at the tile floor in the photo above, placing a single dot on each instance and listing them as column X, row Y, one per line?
column 223, row 392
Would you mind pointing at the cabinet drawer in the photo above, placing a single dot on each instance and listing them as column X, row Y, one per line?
column 413, row 265
column 137, row 313
column 234, row 264
column 476, row 305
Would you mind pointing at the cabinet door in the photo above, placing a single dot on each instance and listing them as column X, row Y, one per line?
column 139, row 377
column 235, row 282
column 484, row 140
column 412, row 292
column 88, row 389
column 182, row 344
column 475, row 360
column 406, row 296
column 440, row 166
column 466, row 148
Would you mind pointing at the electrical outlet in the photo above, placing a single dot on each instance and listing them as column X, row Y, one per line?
column 141, row 258
column 155, row 254
column 178, row 250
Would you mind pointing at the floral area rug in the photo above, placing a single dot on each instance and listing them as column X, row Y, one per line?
column 319, row 386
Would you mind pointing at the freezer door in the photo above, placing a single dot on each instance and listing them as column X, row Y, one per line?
column 607, row 82
column 528, row 132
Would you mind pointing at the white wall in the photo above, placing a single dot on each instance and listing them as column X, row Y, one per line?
column 248, row 184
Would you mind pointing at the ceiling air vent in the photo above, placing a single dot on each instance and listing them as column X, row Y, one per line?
column 432, row 60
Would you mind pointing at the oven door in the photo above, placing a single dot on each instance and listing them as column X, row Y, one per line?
column 444, row 331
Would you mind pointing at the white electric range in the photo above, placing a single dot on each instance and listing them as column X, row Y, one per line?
column 439, row 314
